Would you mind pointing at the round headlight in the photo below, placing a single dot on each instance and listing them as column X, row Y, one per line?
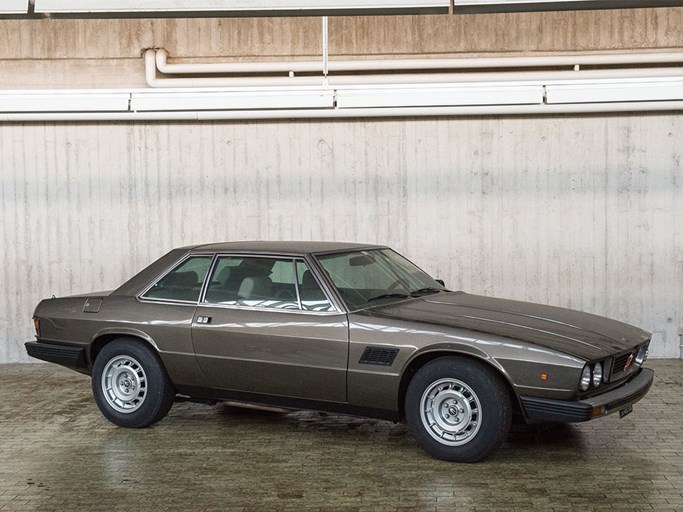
column 585, row 378
column 597, row 375
column 641, row 356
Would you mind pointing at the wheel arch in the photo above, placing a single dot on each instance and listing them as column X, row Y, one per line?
column 106, row 336
column 420, row 359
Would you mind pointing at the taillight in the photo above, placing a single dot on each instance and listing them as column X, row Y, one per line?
column 36, row 324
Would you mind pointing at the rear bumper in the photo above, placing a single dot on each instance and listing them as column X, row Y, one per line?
column 562, row 411
column 66, row 355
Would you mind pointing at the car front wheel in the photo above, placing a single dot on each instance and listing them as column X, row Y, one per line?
column 458, row 409
column 130, row 384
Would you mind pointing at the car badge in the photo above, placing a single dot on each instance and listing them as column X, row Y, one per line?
column 628, row 362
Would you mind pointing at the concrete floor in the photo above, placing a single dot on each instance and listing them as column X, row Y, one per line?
column 58, row 453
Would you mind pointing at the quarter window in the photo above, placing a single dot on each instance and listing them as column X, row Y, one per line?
column 183, row 283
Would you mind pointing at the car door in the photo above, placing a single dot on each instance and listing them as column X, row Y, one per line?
column 165, row 312
column 264, row 325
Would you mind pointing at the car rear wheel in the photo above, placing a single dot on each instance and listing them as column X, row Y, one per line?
column 458, row 409
column 130, row 385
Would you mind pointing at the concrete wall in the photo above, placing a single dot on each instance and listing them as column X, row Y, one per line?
column 107, row 53
column 583, row 212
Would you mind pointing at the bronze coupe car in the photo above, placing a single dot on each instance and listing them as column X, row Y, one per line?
column 345, row 328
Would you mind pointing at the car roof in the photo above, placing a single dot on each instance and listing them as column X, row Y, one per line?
column 283, row 247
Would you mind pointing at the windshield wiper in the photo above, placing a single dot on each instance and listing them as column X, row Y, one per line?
column 421, row 291
column 389, row 296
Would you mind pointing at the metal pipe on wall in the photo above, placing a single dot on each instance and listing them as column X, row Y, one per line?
column 152, row 56
column 154, row 81
column 415, row 64
column 326, row 48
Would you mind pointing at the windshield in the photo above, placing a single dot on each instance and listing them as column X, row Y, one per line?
column 374, row 277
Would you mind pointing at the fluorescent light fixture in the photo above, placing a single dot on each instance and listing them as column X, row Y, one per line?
column 345, row 101
column 111, row 6
column 440, row 96
column 660, row 90
column 229, row 100
column 57, row 101
column 13, row 6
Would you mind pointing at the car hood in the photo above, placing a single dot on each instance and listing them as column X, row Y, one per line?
column 571, row 332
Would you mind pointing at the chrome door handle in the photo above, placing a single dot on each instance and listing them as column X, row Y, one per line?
column 203, row 319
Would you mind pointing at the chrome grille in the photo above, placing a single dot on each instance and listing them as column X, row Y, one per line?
column 620, row 362
column 624, row 364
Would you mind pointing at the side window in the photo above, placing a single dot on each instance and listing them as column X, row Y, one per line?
column 312, row 296
column 253, row 281
column 183, row 283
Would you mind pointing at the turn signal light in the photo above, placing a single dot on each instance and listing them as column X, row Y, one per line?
column 597, row 411
column 36, row 325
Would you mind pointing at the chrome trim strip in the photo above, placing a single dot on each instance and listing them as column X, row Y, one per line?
column 167, row 302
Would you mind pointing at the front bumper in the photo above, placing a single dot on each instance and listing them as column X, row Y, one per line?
column 66, row 355
column 563, row 411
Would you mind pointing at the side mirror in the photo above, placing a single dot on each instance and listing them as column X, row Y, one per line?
column 440, row 281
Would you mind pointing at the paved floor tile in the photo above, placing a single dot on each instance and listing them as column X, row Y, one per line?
column 57, row 452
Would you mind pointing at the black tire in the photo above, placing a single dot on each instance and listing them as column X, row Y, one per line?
column 476, row 424
column 132, row 362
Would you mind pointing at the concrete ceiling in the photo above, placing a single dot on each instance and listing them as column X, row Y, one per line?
column 224, row 8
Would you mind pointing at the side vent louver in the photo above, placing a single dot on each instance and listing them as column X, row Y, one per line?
column 379, row 356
